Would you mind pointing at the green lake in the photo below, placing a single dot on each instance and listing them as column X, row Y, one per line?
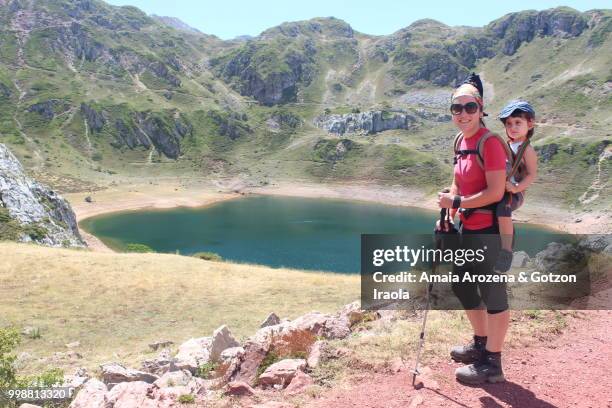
column 301, row 233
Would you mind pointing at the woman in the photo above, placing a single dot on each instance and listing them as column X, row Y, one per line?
column 477, row 185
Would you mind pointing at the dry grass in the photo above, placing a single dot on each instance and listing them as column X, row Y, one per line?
column 115, row 304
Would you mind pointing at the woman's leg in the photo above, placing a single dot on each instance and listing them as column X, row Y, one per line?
column 498, row 327
column 479, row 321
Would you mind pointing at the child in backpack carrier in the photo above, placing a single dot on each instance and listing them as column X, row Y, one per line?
column 518, row 118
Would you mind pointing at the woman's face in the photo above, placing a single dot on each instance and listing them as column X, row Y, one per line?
column 468, row 123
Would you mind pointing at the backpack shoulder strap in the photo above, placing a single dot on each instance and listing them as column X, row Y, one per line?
column 480, row 148
column 457, row 142
column 519, row 157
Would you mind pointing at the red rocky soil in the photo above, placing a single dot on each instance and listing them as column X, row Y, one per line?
column 572, row 370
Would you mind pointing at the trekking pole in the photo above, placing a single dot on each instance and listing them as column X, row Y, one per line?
column 416, row 372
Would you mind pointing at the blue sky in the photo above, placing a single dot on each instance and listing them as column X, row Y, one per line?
column 228, row 19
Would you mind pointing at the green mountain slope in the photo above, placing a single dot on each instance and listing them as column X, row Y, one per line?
column 92, row 92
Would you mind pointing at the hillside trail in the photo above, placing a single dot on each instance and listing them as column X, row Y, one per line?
column 572, row 370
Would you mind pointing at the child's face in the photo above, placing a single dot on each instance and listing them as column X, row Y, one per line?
column 517, row 127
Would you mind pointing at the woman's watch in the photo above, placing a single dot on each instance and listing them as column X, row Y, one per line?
column 457, row 201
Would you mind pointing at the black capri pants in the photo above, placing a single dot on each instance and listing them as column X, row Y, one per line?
column 478, row 295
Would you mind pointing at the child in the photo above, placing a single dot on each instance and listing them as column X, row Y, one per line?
column 518, row 118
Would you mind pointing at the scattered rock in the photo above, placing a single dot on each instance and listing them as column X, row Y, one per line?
column 175, row 378
column 271, row 320
column 114, row 373
column 74, row 344
column 239, row 388
column 160, row 344
column 128, row 395
column 160, row 365
column 91, row 395
column 300, row 383
column 282, row 372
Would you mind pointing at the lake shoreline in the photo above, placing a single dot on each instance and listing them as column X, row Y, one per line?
column 173, row 194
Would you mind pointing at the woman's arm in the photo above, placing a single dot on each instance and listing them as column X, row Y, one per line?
column 531, row 164
column 496, row 186
column 494, row 192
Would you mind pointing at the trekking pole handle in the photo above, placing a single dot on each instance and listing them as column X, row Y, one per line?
column 443, row 212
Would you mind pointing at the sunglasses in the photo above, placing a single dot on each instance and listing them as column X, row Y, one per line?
column 470, row 107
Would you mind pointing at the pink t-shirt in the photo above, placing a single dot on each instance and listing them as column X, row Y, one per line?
column 470, row 178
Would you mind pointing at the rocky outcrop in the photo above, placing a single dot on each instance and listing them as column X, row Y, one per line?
column 233, row 124
column 365, row 122
column 149, row 129
column 32, row 211
column 332, row 151
column 268, row 74
column 517, row 28
column 547, row 152
column 48, row 109
column 95, row 119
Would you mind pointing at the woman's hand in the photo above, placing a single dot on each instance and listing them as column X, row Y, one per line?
column 445, row 200
column 510, row 187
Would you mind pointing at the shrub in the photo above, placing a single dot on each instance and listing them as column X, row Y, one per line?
column 140, row 248
column 205, row 370
column 208, row 256
column 186, row 399
column 9, row 339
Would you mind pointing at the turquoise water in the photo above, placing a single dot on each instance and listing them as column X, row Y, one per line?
column 302, row 233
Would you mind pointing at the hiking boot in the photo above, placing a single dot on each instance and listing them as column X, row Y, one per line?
column 488, row 369
column 504, row 261
column 471, row 353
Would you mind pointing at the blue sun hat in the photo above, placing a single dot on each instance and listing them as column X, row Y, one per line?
column 517, row 104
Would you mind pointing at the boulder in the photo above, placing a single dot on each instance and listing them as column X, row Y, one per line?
column 193, row 353
column 174, row 378
column 282, row 372
column 271, row 320
column 91, row 395
column 294, row 336
column 221, row 339
column 231, row 359
column 239, row 388
column 314, row 356
column 128, row 395
column 595, row 243
column 300, row 383
column 520, row 259
column 160, row 365
column 353, row 313
column 560, row 258
column 114, row 373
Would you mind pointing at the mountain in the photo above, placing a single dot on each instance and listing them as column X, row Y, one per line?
column 91, row 92
column 176, row 23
